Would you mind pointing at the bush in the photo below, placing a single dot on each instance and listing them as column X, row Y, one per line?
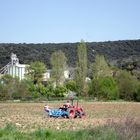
column 107, row 89
column 71, row 85
column 128, row 85
column 50, row 90
column 60, row 91
column 138, row 93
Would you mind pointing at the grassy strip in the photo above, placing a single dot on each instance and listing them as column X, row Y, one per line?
column 10, row 132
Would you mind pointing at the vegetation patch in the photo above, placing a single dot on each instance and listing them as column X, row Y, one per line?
column 111, row 131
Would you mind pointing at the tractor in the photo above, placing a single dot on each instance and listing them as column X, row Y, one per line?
column 68, row 110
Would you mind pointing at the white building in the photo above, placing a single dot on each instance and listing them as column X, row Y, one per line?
column 15, row 69
column 66, row 74
column 47, row 75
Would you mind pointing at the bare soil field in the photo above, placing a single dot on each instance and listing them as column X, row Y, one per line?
column 30, row 116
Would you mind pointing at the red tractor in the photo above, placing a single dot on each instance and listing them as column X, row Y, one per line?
column 68, row 110
column 72, row 110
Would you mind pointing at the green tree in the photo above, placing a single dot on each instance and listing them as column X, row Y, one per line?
column 60, row 91
column 58, row 63
column 100, row 67
column 35, row 71
column 138, row 93
column 9, row 86
column 3, row 91
column 81, row 72
column 38, row 90
column 100, row 70
column 71, row 85
column 21, row 90
column 107, row 89
column 50, row 89
column 128, row 85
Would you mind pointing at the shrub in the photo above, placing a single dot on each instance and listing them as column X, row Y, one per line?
column 128, row 85
column 107, row 89
column 71, row 85
column 60, row 91
column 138, row 93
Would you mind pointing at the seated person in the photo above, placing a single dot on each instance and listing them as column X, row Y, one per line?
column 65, row 106
column 68, row 104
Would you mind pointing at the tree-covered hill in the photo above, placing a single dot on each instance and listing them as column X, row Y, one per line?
column 117, row 53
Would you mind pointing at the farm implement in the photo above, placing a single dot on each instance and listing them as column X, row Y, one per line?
column 68, row 110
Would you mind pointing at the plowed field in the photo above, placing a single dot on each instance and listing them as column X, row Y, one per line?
column 30, row 116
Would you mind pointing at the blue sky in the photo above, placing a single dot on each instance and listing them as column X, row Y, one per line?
column 57, row 21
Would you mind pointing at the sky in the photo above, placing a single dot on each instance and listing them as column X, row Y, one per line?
column 59, row 21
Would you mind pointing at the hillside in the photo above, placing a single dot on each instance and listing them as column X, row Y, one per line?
column 117, row 53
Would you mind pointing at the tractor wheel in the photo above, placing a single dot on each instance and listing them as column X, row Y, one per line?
column 76, row 114
column 71, row 113
column 81, row 114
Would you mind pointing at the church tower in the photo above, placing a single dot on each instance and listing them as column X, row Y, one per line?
column 14, row 59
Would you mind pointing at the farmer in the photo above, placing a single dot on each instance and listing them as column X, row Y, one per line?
column 67, row 104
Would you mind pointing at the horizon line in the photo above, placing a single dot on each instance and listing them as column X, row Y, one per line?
column 69, row 42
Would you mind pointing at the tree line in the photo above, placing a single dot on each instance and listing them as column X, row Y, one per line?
column 106, row 82
column 118, row 53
